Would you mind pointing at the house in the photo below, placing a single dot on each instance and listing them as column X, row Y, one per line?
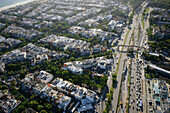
column 21, row 32
column 161, row 32
column 76, row 30
column 9, row 103
column 2, row 38
column 21, row 56
column 91, row 96
column 2, row 25
column 64, row 102
column 29, row 110
column 51, row 95
column 45, row 77
column 77, row 91
column 98, row 66
column 69, row 66
column 37, row 88
column 61, row 85
column 2, row 67
column 85, row 108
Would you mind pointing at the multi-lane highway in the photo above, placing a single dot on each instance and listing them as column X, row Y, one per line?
column 138, row 89
column 137, row 86
column 120, row 70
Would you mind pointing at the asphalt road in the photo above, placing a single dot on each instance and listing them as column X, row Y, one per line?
column 120, row 71
column 137, row 93
column 141, row 42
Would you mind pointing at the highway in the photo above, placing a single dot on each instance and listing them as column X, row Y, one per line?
column 137, row 88
column 120, row 70
column 137, row 96
column 134, row 98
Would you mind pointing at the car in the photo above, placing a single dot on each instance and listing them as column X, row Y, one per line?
column 150, row 102
column 148, row 82
column 150, row 110
column 149, row 90
column 138, row 108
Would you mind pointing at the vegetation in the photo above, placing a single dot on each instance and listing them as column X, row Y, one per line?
column 130, row 52
column 160, row 45
column 150, row 74
column 152, row 58
column 125, row 39
column 134, row 3
column 54, row 67
column 110, row 94
column 165, row 4
column 138, row 32
column 131, row 18
column 149, row 32
column 36, row 104
column 146, row 10
column 142, row 19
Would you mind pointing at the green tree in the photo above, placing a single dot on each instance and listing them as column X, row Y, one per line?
column 43, row 111
column 21, row 108
column 33, row 97
column 48, row 106
column 40, row 107
column 104, row 111
column 33, row 104
column 72, row 59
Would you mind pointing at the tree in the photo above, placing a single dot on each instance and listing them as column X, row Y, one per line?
column 33, row 97
column 3, row 87
column 53, row 70
column 65, row 72
column 108, row 95
column 72, row 59
column 48, row 106
column 40, row 107
column 43, row 111
column 114, row 30
column 99, row 86
column 3, row 77
column 104, row 111
column 33, row 104
column 21, row 108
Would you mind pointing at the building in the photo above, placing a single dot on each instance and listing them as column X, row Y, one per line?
column 45, row 77
column 2, row 67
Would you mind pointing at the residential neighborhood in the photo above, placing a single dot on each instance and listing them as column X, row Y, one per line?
column 84, row 56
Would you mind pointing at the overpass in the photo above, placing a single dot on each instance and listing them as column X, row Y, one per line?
column 133, row 46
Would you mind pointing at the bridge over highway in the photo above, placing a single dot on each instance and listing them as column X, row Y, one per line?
column 132, row 46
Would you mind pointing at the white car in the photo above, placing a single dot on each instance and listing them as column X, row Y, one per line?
column 150, row 110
